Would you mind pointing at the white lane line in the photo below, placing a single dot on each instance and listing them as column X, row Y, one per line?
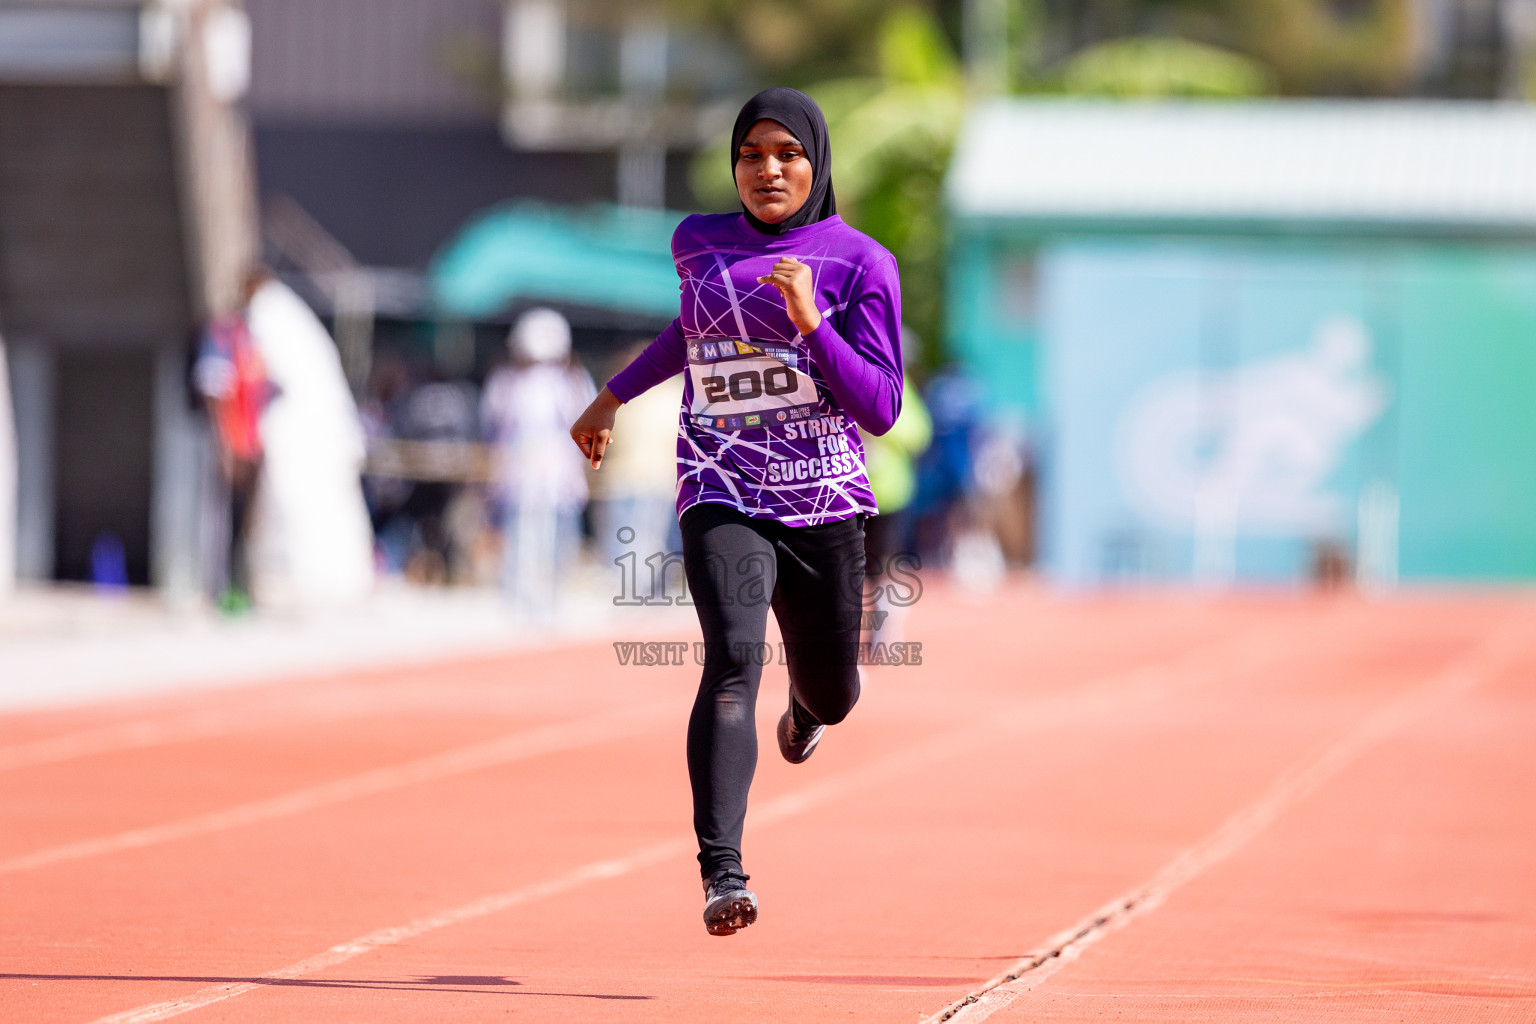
column 786, row 806
column 1292, row 786
column 1115, row 692
column 314, row 707
column 1228, row 654
column 517, row 746
column 345, row 951
column 143, row 733
column 417, row 688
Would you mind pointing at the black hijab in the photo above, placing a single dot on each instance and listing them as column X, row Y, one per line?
column 798, row 113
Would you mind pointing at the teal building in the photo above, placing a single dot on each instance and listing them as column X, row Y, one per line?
column 1242, row 335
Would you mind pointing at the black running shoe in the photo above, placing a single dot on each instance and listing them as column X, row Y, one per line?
column 729, row 906
column 796, row 742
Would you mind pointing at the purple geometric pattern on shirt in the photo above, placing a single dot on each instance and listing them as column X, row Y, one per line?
column 775, row 470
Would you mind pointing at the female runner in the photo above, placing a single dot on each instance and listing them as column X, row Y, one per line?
column 790, row 335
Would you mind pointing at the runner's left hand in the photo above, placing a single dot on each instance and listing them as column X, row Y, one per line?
column 793, row 280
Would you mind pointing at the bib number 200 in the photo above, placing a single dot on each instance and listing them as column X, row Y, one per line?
column 749, row 384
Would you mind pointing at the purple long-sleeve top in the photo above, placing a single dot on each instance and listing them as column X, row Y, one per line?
column 769, row 420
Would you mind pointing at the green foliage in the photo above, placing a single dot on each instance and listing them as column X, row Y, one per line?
column 709, row 177
column 894, row 91
column 1143, row 67
column 794, row 42
column 1299, row 47
column 892, row 137
column 896, row 124
column 904, row 211
column 1315, row 50
column 913, row 51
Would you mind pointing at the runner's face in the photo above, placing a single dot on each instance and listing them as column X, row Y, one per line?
column 773, row 173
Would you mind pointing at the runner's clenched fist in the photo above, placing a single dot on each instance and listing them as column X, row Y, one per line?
column 793, row 280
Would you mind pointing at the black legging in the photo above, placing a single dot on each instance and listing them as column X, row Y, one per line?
column 736, row 565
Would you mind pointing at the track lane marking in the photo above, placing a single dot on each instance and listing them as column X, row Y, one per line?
column 783, row 807
column 1289, row 788
column 1515, row 988
column 517, row 746
column 1230, row 652
column 1115, row 691
column 350, row 702
column 342, row 952
column 336, row 701
column 143, row 733
column 253, row 710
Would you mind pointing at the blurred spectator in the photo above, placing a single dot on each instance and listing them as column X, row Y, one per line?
column 311, row 542
column 416, row 534
column 439, row 412
column 989, row 526
column 1331, row 567
column 637, row 487
column 8, row 493
column 891, row 462
column 1001, row 487
column 109, row 564
column 389, row 381
column 540, row 477
column 230, row 377
column 944, row 472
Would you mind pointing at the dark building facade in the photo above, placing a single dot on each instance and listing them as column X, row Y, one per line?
column 382, row 119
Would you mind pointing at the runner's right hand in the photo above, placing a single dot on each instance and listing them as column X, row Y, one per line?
column 593, row 429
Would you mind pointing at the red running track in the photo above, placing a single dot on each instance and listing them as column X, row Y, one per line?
column 1145, row 808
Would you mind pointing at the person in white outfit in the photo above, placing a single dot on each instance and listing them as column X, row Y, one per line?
column 312, row 543
column 540, row 481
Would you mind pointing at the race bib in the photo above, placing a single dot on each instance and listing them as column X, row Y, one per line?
column 739, row 385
